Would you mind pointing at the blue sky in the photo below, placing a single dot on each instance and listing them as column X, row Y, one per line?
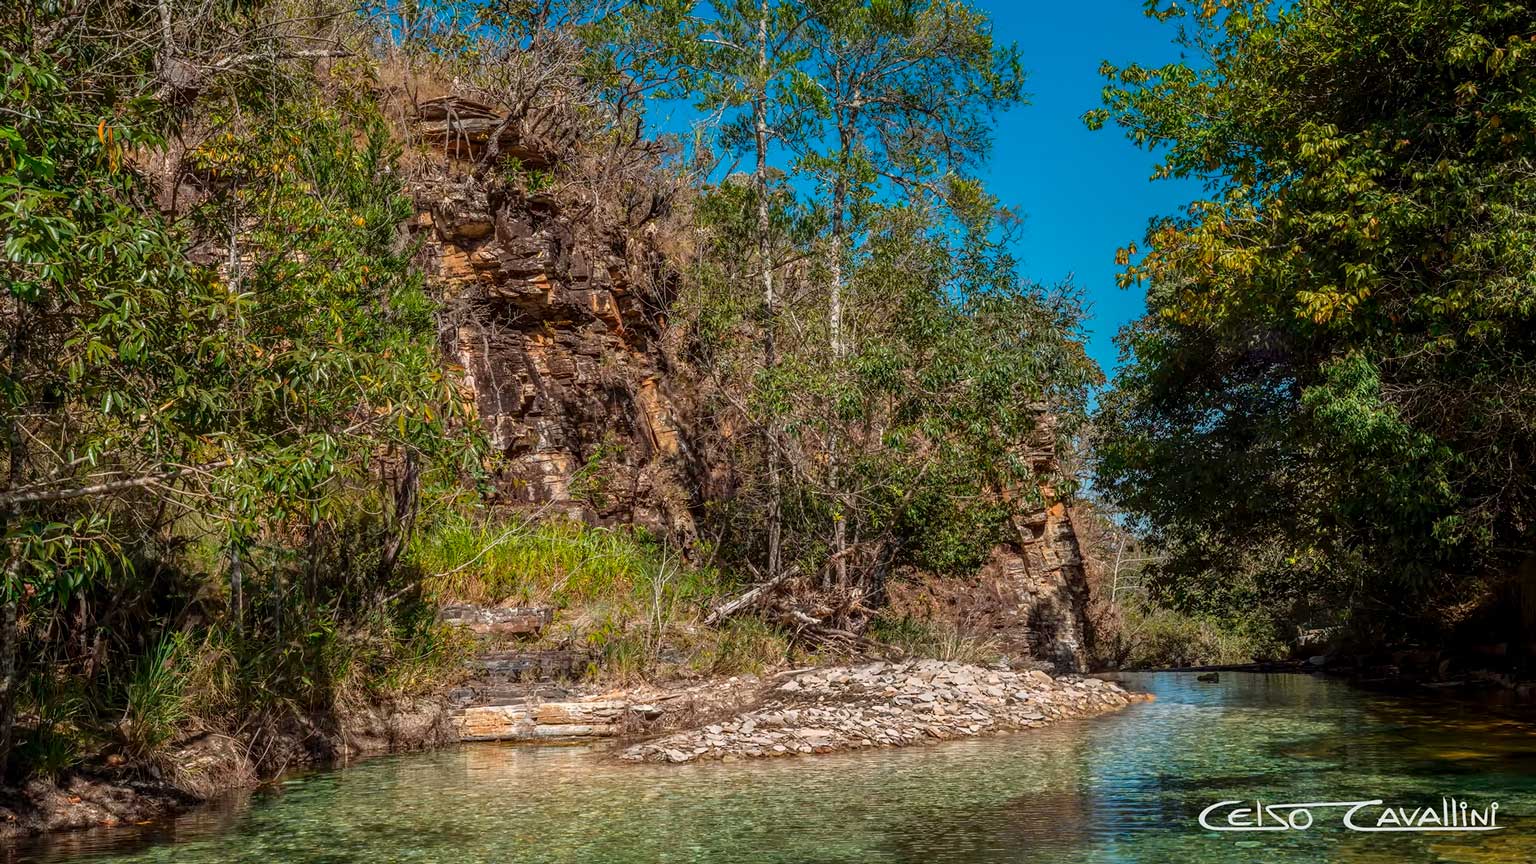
column 1083, row 194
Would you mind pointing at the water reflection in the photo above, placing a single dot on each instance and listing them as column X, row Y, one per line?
column 1127, row 787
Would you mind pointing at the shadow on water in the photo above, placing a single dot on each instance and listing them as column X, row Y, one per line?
column 1127, row 787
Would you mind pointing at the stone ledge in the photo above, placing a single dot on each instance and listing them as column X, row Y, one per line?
column 497, row 620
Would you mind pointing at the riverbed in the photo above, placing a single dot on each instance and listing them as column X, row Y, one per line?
column 1126, row 787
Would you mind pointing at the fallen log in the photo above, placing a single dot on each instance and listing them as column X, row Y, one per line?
column 746, row 600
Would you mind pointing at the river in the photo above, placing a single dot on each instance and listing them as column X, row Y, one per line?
column 1128, row 787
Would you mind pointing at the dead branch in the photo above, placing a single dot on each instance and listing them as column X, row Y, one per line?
column 749, row 598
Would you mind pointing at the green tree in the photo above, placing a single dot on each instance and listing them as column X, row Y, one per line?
column 905, row 91
column 743, row 61
column 1329, row 407
column 224, row 374
column 944, row 393
column 909, row 368
column 973, row 380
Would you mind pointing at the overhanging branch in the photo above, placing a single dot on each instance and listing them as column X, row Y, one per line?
column 35, row 495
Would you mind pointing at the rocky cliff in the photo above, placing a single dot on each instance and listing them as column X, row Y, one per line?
column 557, row 324
column 1028, row 601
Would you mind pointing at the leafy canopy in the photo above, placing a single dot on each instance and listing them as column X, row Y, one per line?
column 1331, row 404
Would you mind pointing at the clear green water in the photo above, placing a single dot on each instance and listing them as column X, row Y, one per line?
column 1127, row 787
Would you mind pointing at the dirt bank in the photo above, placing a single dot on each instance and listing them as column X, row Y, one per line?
column 103, row 793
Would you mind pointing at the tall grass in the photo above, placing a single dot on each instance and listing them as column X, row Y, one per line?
column 556, row 562
column 54, row 742
column 937, row 640
column 746, row 646
column 630, row 601
column 154, row 701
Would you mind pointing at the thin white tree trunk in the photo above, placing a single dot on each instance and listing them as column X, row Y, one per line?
column 770, row 301
column 839, row 352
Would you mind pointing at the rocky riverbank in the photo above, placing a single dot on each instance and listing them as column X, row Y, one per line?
column 547, row 713
column 887, row 705
column 878, row 704
column 106, row 793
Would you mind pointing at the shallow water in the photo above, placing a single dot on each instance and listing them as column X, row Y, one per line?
column 1127, row 787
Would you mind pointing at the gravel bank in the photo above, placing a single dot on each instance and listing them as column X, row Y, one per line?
column 887, row 705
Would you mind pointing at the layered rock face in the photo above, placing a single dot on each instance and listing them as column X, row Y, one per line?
column 1045, row 574
column 1029, row 600
column 557, row 328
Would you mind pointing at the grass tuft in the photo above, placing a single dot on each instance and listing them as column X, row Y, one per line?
column 154, row 702
column 630, row 601
column 937, row 640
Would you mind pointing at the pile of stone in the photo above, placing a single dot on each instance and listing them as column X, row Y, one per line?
column 887, row 705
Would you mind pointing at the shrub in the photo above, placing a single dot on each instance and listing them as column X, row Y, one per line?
column 747, row 646
column 53, row 743
column 154, row 701
column 1152, row 636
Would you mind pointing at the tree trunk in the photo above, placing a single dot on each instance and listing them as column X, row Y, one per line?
column 236, row 589
column 839, row 351
column 770, row 301
column 10, row 637
column 10, row 581
column 406, row 487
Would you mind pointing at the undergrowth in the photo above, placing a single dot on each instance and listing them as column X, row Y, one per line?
column 938, row 640
column 308, row 651
column 1149, row 636
column 630, row 601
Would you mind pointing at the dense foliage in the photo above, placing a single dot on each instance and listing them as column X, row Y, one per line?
column 939, row 399
column 172, row 411
column 1328, row 413
column 903, row 384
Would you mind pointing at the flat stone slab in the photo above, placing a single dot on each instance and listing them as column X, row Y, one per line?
column 543, row 713
column 546, row 720
column 497, row 620
column 502, row 666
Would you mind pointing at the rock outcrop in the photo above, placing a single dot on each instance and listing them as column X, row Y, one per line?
column 877, row 704
column 550, row 713
column 498, row 621
column 557, row 324
column 532, row 720
column 1028, row 600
